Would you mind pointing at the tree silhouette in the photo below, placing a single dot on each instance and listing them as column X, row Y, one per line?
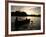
column 18, row 13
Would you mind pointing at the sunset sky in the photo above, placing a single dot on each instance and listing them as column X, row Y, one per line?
column 28, row 9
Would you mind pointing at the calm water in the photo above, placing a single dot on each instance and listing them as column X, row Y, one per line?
column 36, row 21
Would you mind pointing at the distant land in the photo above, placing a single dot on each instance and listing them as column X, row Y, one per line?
column 18, row 13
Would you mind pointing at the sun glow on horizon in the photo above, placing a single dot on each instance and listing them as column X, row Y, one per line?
column 30, row 10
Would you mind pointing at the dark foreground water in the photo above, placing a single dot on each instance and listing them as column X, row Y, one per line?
column 34, row 23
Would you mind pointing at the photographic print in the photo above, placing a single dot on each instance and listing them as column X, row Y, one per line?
column 25, row 18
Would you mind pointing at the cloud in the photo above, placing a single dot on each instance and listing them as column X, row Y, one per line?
column 28, row 9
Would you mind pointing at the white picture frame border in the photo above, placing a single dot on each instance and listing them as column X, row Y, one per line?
column 28, row 31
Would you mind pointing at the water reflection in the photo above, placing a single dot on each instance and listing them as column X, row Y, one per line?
column 33, row 24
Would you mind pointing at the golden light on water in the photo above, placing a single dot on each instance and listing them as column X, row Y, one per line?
column 29, row 10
